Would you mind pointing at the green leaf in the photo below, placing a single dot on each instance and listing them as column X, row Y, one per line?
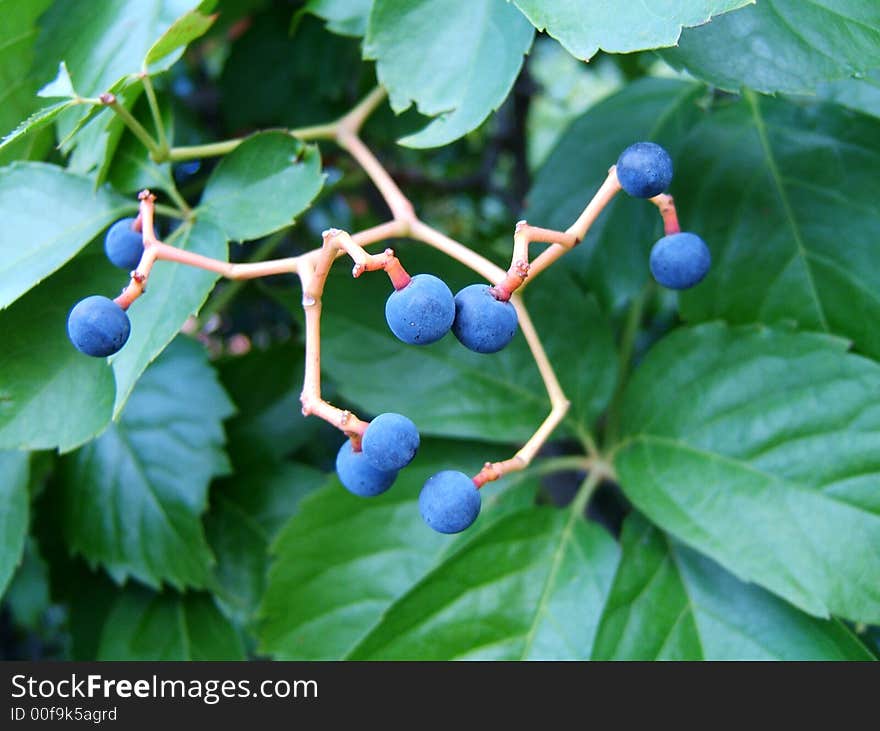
column 795, row 235
column 13, row 512
column 586, row 26
column 412, row 44
column 670, row 603
column 105, row 40
column 247, row 511
column 92, row 140
column 18, row 34
column 147, row 626
column 174, row 292
column 60, row 86
column 265, row 387
column 182, row 32
column 761, row 449
column 51, row 395
column 342, row 561
column 346, row 17
column 104, row 44
column 612, row 261
column 783, row 45
column 861, row 94
column 269, row 77
column 133, row 498
column 448, row 390
column 871, row 637
column 530, row 588
column 65, row 143
column 34, row 244
column 262, row 185
column 36, row 121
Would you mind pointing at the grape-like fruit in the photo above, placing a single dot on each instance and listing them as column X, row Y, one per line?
column 421, row 312
column 680, row 260
column 123, row 245
column 644, row 169
column 483, row 323
column 358, row 476
column 449, row 501
column 390, row 442
column 97, row 326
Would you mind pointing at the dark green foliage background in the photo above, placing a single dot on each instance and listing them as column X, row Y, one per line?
column 172, row 503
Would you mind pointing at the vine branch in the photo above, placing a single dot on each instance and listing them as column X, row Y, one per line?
column 313, row 276
column 313, row 267
column 139, row 131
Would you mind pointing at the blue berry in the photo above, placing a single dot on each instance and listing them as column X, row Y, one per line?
column 644, row 169
column 124, row 245
column 422, row 312
column 482, row 323
column 449, row 501
column 390, row 442
column 679, row 261
column 97, row 326
column 358, row 476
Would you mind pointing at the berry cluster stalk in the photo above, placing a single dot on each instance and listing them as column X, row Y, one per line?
column 312, row 269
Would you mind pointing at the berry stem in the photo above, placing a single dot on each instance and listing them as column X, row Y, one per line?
column 155, row 250
column 220, row 299
column 313, row 270
column 401, row 208
column 559, row 404
column 354, row 119
column 386, row 261
column 226, row 269
column 139, row 276
column 313, row 276
column 579, row 228
column 523, row 235
column 421, row 231
column 312, row 402
column 395, row 271
column 666, row 205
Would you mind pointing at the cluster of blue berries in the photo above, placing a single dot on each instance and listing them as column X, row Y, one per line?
column 424, row 310
column 97, row 326
column 421, row 313
column 449, row 501
column 679, row 260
